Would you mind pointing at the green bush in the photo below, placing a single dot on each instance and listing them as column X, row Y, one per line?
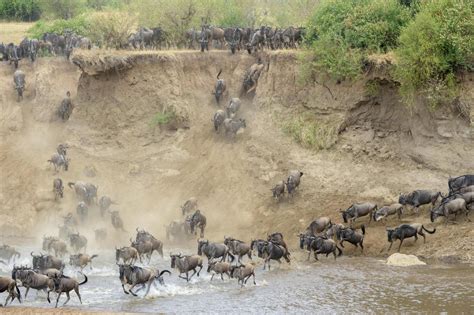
column 163, row 118
column 433, row 48
column 20, row 10
column 311, row 134
column 341, row 33
column 80, row 25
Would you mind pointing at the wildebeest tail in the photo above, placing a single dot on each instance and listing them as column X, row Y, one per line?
column 220, row 71
column 163, row 272
column 85, row 280
column 70, row 184
column 94, row 256
column 18, row 292
column 339, row 250
column 363, row 229
column 431, row 232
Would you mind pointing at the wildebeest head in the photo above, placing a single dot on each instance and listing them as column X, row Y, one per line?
column 173, row 259
column 433, row 216
column 201, row 244
column 390, row 235
column 302, row 240
column 402, row 199
column 38, row 261
column 344, row 215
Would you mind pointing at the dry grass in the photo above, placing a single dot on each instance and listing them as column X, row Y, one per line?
column 13, row 31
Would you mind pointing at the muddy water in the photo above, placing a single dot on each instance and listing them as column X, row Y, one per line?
column 355, row 285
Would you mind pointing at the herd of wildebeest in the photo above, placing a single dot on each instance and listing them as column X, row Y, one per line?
column 322, row 236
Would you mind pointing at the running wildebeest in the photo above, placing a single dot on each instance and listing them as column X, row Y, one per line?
column 65, row 285
column 233, row 107
column 251, row 77
column 117, row 221
column 43, row 262
column 7, row 252
column 189, row 206
column 319, row 245
column 58, row 188
column 218, row 119
column 219, row 268
column 279, row 190
column 62, row 149
column 143, row 236
column 232, row 126
column 85, row 191
column 66, row 107
column 19, row 81
column 197, row 220
column 144, row 248
column 293, row 181
column 277, row 238
column 78, row 242
column 455, row 207
column 319, row 225
column 243, row 273
column 418, row 198
column 274, row 251
column 358, row 210
column 405, row 231
column 220, row 88
column 212, row 250
column 82, row 211
column 10, row 286
column 238, row 248
column 31, row 279
column 186, row 263
column 385, row 211
column 456, row 183
column 52, row 243
column 129, row 255
column 59, row 161
column 352, row 236
column 145, row 277
column 177, row 230
column 104, row 204
column 81, row 260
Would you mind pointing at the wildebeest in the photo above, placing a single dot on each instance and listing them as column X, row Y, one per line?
column 333, row 230
column 456, row 183
column 243, row 273
column 42, row 262
column 258, row 40
column 58, row 188
column 31, row 279
column 64, row 231
column 233, row 36
column 233, row 107
column 81, row 260
column 52, row 243
column 33, row 49
column 258, row 245
column 78, row 242
column 186, row 263
column 239, row 248
column 9, row 285
column 212, row 250
column 82, row 211
column 8, row 252
column 219, row 268
column 19, row 81
column 402, row 232
column 358, row 210
column 177, row 230
column 128, row 255
column 205, row 38
column 277, row 238
column 319, row 225
column 104, row 204
column 117, row 221
column 65, row 285
column 14, row 55
column 218, row 119
column 418, row 198
column 352, row 236
column 293, row 181
column 386, row 211
column 84, row 191
column 232, row 126
column 278, row 190
column 198, row 220
column 274, row 251
column 251, row 77
column 62, row 149
column 134, row 275
column 143, row 235
column 66, row 107
column 189, row 206
column 59, row 161
column 455, row 207
column 220, row 87
column 100, row 234
column 319, row 245
column 144, row 248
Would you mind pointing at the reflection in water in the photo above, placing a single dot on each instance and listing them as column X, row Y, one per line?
column 355, row 285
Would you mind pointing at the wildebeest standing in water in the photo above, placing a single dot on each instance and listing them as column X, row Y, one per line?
column 19, row 81
column 220, row 88
column 185, row 264
column 66, row 107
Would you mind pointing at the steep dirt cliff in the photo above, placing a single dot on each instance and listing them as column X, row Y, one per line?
column 382, row 147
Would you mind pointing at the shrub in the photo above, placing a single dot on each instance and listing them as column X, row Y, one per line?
column 163, row 118
column 80, row 25
column 341, row 33
column 433, row 48
column 111, row 29
column 311, row 134
column 22, row 10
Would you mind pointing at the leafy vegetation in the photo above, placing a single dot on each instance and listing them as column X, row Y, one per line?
column 163, row 118
column 311, row 134
column 20, row 10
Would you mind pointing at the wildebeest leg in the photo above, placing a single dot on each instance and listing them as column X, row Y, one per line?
column 68, row 298
column 361, row 246
column 309, row 255
column 334, row 253
column 149, row 285
column 212, row 277
column 124, row 291
column 340, row 243
column 399, row 246
column 57, row 300
column 424, row 238
column 316, row 255
column 222, row 276
column 391, row 243
column 131, row 288
column 76, row 289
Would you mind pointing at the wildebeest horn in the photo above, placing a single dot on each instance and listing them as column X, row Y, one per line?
column 137, row 230
column 32, row 254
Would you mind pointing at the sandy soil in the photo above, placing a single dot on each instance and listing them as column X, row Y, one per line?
column 13, row 32
column 383, row 149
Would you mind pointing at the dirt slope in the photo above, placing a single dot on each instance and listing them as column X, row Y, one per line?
column 383, row 148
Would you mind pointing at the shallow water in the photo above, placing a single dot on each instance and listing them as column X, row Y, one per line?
column 355, row 285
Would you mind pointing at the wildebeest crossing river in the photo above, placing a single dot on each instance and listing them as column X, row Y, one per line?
column 354, row 285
